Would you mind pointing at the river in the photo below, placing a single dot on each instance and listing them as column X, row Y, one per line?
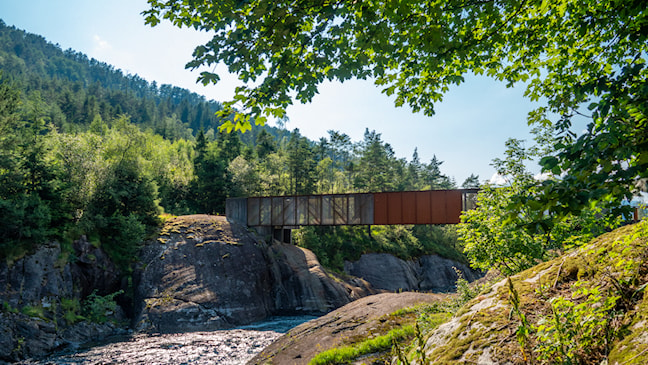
column 226, row 347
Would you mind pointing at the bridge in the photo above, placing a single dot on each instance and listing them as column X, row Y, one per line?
column 283, row 213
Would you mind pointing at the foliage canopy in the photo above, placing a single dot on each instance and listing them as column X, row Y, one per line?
column 576, row 55
column 497, row 234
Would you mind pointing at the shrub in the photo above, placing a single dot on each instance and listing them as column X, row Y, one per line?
column 575, row 331
column 33, row 311
column 97, row 308
column 71, row 310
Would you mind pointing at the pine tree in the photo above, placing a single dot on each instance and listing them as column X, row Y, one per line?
column 265, row 144
column 471, row 182
column 210, row 186
column 301, row 164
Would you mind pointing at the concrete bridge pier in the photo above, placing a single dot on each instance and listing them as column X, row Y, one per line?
column 282, row 234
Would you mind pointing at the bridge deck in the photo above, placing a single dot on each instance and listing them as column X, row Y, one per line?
column 408, row 207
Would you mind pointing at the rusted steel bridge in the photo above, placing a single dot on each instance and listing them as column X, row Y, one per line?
column 282, row 213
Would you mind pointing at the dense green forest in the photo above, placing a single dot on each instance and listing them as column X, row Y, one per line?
column 86, row 149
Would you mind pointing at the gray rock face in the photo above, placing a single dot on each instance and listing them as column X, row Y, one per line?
column 46, row 275
column 428, row 273
column 204, row 274
column 300, row 284
column 39, row 281
column 384, row 271
column 202, row 279
column 93, row 270
column 24, row 337
column 35, row 278
column 438, row 273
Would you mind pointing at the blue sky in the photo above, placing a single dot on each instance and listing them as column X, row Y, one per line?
column 469, row 129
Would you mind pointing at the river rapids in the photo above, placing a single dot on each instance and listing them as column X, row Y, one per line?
column 226, row 347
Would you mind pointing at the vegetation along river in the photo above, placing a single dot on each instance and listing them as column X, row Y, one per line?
column 227, row 347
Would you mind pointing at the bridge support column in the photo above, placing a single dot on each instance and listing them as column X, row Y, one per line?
column 282, row 234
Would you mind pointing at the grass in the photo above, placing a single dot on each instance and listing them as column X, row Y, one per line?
column 340, row 355
column 33, row 311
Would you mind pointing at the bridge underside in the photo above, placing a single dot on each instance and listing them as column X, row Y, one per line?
column 408, row 207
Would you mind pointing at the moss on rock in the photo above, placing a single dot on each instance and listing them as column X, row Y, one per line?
column 612, row 269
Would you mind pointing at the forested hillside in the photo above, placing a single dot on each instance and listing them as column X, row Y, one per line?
column 87, row 149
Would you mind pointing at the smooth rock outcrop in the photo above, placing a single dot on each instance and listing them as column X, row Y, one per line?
column 301, row 285
column 427, row 273
column 484, row 330
column 204, row 273
column 366, row 317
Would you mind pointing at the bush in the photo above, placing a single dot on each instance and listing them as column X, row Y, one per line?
column 575, row 331
column 71, row 310
column 33, row 311
column 97, row 308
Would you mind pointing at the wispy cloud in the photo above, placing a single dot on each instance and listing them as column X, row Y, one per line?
column 101, row 44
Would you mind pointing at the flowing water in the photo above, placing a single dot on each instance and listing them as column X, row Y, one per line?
column 228, row 347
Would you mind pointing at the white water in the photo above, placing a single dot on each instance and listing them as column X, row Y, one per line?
column 227, row 347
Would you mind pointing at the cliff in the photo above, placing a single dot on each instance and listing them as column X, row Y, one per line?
column 41, row 297
column 204, row 273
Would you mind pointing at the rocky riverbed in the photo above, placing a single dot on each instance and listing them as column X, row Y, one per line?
column 228, row 347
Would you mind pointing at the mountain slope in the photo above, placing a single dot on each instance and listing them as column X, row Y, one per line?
column 74, row 89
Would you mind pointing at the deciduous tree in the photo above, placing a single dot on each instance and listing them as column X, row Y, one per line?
column 580, row 57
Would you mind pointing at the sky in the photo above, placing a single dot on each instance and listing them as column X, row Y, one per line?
column 467, row 132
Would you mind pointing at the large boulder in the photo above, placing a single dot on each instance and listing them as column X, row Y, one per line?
column 367, row 317
column 204, row 273
column 427, row 273
column 566, row 306
column 201, row 275
column 384, row 271
column 439, row 274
